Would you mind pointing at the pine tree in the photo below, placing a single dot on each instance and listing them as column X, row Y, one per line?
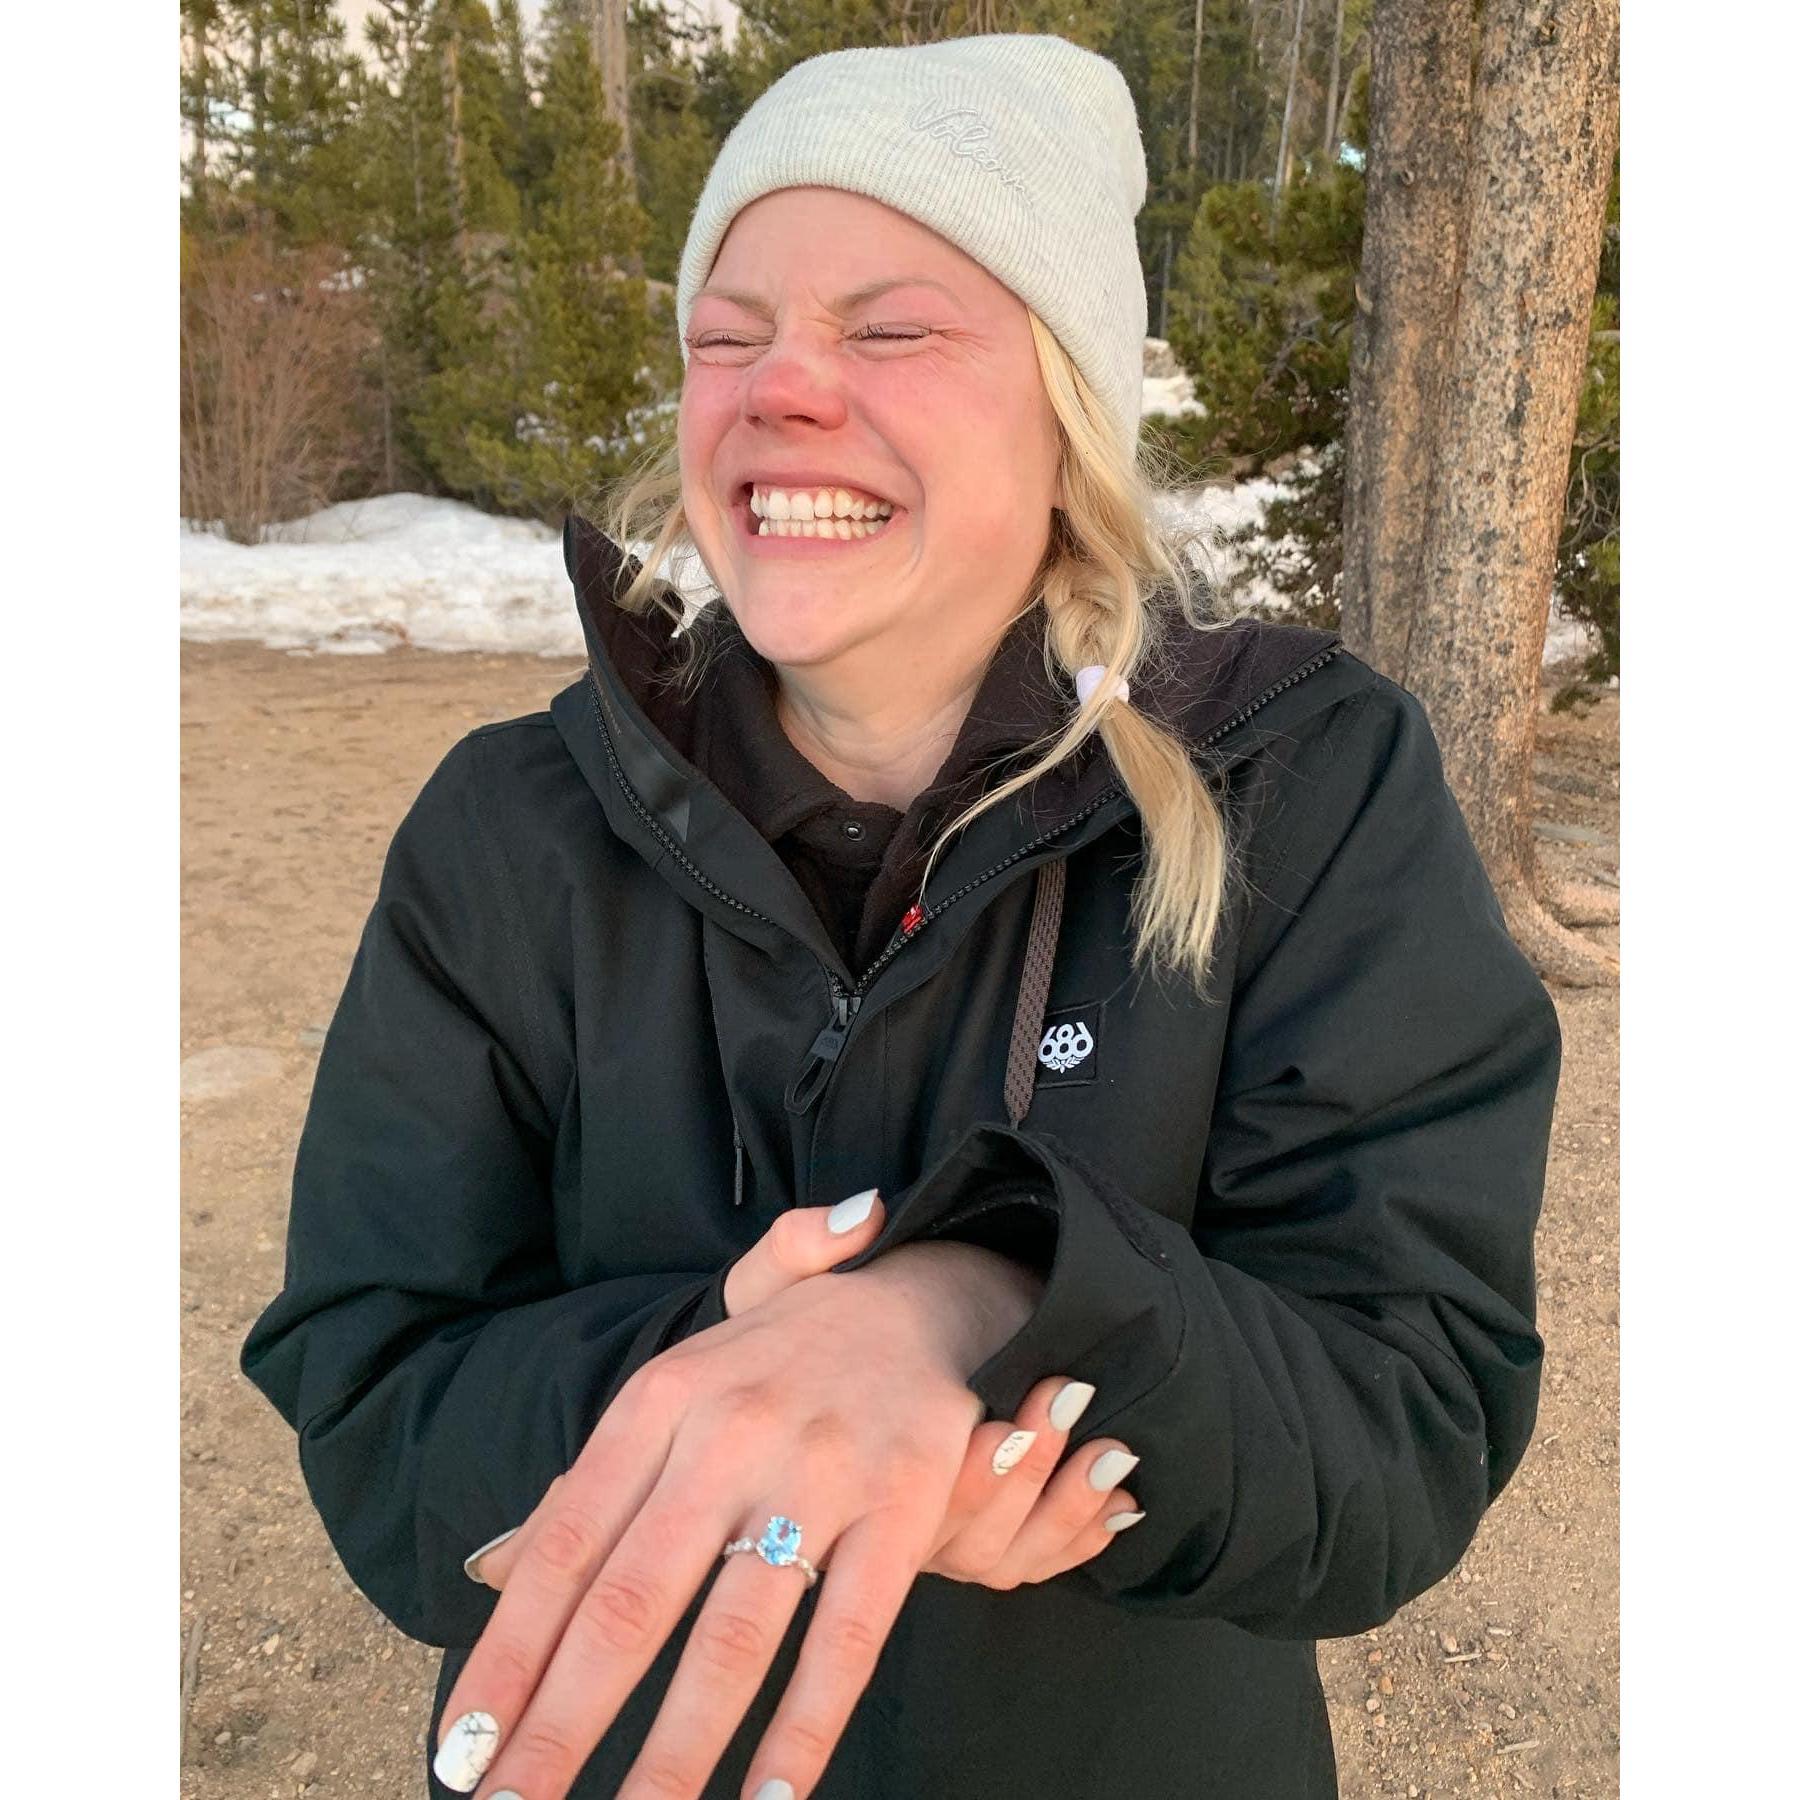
column 544, row 412
column 284, row 150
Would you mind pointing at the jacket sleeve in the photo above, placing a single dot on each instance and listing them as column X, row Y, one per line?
column 437, row 1367
column 1334, row 1371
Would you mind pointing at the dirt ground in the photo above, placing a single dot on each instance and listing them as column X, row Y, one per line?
column 296, row 768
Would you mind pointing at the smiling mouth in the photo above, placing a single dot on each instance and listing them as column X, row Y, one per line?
column 822, row 532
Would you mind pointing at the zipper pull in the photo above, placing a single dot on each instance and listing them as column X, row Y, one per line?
column 822, row 1057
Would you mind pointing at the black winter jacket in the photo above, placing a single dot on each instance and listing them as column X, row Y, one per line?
column 1287, row 1229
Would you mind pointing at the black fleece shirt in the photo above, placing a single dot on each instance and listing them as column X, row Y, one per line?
column 858, row 861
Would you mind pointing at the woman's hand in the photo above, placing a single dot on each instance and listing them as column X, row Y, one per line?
column 1005, row 1526
column 841, row 1404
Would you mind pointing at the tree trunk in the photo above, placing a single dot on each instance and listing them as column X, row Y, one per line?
column 1405, row 297
column 1545, row 127
column 1287, row 112
column 453, row 139
column 1329, row 145
column 1461, row 459
column 1193, row 138
column 608, row 22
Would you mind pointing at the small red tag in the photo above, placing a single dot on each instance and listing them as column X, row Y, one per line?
column 913, row 918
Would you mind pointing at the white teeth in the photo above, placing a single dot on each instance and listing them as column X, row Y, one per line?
column 819, row 503
column 845, row 529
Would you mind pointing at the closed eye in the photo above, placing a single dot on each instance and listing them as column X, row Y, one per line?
column 873, row 333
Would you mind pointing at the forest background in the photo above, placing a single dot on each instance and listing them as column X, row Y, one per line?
column 438, row 256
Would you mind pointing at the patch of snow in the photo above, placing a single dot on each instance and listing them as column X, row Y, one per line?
column 363, row 577
column 359, row 578
column 1172, row 396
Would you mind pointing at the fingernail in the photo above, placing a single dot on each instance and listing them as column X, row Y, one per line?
column 464, row 1755
column 1011, row 1449
column 772, row 1789
column 1118, row 1522
column 472, row 1562
column 848, row 1214
column 1070, row 1403
column 1109, row 1470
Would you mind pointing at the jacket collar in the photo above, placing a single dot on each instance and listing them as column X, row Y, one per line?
column 634, row 737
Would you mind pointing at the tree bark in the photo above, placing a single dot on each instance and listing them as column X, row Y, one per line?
column 1460, row 447
column 1329, row 145
column 1287, row 111
column 453, row 137
column 1405, row 296
column 1546, row 125
column 607, row 19
column 1193, row 137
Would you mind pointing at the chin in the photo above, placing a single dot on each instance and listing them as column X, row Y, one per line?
column 798, row 631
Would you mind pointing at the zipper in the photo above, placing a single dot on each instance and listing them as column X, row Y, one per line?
column 1310, row 667
column 815, row 1073
column 828, row 1046
column 689, row 866
column 821, row 1059
column 826, row 1049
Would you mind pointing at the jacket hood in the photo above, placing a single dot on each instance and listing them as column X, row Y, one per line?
column 1222, row 690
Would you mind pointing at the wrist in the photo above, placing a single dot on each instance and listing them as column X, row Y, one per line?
column 975, row 1299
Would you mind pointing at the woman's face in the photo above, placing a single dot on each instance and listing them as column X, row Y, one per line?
column 925, row 396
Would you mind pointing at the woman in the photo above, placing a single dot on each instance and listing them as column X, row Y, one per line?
column 1133, row 974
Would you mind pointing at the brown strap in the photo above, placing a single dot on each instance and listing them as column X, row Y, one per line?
column 1034, row 987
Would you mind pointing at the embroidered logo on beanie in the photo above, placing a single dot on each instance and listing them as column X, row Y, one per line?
column 962, row 130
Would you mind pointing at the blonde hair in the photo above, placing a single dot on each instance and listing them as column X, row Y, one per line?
column 1114, row 577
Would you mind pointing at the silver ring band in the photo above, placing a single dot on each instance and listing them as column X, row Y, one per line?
column 779, row 1547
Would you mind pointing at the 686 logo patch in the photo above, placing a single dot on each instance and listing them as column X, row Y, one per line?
column 1069, row 1049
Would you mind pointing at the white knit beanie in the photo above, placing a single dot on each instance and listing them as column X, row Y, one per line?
column 1021, row 149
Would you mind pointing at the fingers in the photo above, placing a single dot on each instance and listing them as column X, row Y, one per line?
column 576, row 1533
column 803, row 1241
column 995, row 1506
column 873, row 1566
column 1118, row 1513
column 1070, row 1522
column 613, row 1632
column 723, row 1666
column 494, row 1561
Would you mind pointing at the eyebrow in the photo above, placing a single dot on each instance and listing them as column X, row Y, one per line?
column 848, row 303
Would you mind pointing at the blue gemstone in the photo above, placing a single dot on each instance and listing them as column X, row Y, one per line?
column 780, row 1542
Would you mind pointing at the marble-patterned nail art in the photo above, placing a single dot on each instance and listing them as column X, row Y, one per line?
column 1109, row 1470
column 1070, row 1403
column 466, row 1751
column 1118, row 1522
column 1012, row 1448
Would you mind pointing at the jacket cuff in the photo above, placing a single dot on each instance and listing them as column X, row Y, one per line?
column 1110, row 1296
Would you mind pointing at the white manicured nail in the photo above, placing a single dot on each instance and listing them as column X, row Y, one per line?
column 472, row 1562
column 1070, row 1403
column 464, row 1756
column 848, row 1214
column 1109, row 1470
column 775, row 1789
column 1012, row 1448
column 1118, row 1522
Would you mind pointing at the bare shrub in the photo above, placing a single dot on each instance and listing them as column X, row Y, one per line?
column 274, row 344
